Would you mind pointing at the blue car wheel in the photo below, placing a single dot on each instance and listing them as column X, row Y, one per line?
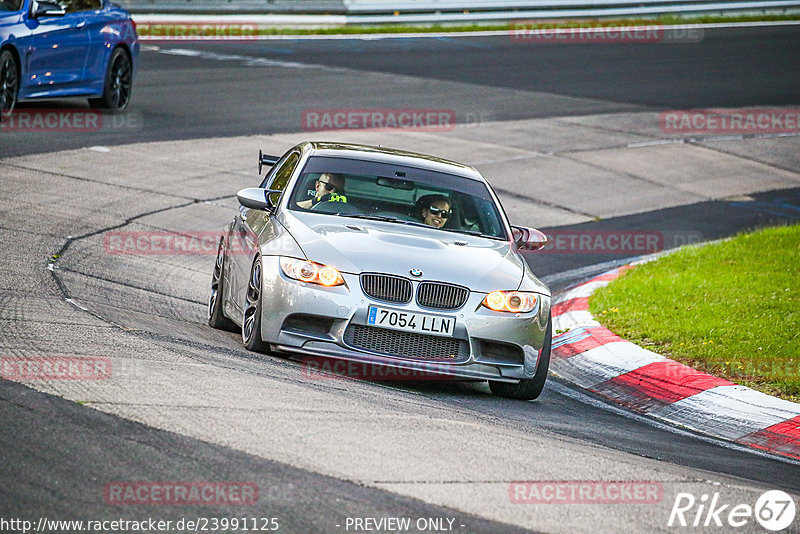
column 118, row 83
column 9, row 82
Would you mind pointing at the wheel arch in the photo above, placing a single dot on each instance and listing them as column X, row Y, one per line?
column 125, row 48
column 13, row 49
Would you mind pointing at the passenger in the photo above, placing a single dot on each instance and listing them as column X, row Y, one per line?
column 433, row 210
column 329, row 188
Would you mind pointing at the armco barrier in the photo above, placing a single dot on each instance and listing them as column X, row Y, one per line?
column 240, row 6
column 380, row 11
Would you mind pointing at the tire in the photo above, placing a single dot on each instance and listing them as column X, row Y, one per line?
column 251, row 322
column 118, row 82
column 9, row 82
column 529, row 388
column 216, row 317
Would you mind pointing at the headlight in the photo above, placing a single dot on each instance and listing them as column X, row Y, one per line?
column 311, row 272
column 510, row 301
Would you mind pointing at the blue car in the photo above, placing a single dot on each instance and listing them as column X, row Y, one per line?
column 66, row 48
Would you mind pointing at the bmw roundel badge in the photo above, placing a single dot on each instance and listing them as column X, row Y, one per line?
column 415, row 272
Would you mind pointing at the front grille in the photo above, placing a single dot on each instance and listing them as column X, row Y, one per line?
column 406, row 344
column 386, row 287
column 441, row 296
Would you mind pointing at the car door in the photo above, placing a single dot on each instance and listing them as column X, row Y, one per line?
column 59, row 49
column 105, row 31
column 251, row 226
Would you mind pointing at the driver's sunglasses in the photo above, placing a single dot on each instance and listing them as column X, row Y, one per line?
column 328, row 186
column 439, row 212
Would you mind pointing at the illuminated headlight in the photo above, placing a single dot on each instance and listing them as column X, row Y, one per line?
column 311, row 272
column 510, row 301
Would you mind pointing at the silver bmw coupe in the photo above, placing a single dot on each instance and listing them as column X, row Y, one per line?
column 387, row 258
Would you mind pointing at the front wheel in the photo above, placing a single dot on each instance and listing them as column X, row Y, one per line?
column 251, row 322
column 216, row 317
column 529, row 388
column 118, row 83
column 9, row 82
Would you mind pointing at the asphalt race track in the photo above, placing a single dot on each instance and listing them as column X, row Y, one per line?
column 187, row 403
column 179, row 94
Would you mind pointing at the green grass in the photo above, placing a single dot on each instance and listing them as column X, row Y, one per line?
column 389, row 28
column 731, row 309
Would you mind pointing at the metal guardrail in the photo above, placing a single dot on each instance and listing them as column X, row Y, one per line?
column 380, row 11
column 428, row 6
column 238, row 6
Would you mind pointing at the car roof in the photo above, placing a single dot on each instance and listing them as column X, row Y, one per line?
column 391, row 155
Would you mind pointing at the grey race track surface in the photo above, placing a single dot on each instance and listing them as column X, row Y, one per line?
column 182, row 95
column 58, row 455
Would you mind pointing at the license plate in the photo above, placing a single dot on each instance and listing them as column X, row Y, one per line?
column 419, row 323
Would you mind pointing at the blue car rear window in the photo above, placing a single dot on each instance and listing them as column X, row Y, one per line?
column 10, row 5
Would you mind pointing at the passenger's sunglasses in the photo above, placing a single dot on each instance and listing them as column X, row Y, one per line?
column 328, row 186
column 439, row 212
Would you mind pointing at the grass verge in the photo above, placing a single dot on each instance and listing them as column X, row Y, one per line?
column 731, row 309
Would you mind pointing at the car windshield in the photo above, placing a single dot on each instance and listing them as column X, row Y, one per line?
column 10, row 5
column 399, row 194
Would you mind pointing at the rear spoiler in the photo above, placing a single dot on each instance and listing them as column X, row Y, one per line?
column 266, row 159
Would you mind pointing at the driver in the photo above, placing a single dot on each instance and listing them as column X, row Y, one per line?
column 433, row 210
column 329, row 187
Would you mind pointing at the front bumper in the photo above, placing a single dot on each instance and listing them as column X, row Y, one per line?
column 313, row 320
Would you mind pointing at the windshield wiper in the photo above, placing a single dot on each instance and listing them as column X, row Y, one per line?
column 385, row 218
column 389, row 218
column 468, row 232
column 472, row 232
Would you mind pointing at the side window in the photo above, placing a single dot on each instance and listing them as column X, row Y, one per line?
column 77, row 6
column 280, row 178
column 284, row 172
column 10, row 5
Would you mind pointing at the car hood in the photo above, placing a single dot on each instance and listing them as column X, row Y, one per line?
column 357, row 245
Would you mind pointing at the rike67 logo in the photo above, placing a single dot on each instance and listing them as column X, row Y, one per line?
column 774, row 510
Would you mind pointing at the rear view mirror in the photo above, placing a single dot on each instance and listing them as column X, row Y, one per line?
column 396, row 183
column 528, row 238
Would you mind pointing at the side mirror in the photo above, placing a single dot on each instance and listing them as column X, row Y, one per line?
column 47, row 9
column 528, row 238
column 258, row 199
